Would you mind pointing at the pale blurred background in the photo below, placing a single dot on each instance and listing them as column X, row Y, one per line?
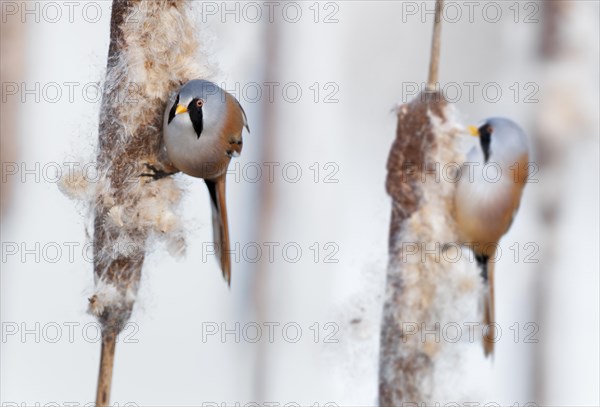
column 363, row 57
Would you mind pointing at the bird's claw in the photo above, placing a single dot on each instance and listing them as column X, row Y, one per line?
column 156, row 173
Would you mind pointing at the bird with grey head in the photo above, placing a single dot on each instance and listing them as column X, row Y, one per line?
column 488, row 194
column 202, row 131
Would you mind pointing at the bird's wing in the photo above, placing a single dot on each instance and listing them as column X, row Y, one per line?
column 234, row 126
column 243, row 115
column 216, row 188
column 519, row 179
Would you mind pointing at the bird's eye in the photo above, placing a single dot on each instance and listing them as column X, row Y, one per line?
column 199, row 103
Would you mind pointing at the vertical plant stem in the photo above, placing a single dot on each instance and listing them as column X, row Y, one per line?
column 434, row 62
column 107, row 360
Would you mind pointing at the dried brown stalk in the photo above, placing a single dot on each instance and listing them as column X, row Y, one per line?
column 107, row 361
column 436, row 39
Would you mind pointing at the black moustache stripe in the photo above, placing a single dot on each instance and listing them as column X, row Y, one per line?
column 172, row 111
column 485, row 138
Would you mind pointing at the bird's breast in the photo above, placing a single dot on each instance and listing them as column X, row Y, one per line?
column 484, row 209
column 203, row 157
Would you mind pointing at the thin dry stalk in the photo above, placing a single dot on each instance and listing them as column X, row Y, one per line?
column 436, row 39
column 107, row 360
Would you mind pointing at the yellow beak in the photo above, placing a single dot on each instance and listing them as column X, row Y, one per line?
column 180, row 109
column 474, row 131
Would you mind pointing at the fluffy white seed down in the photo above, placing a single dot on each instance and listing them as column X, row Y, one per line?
column 161, row 50
column 438, row 286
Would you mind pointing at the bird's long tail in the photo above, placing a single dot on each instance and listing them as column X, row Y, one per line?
column 489, row 330
column 216, row 188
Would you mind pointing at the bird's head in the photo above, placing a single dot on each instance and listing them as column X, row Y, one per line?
column 201, row 104
column 500, row 139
